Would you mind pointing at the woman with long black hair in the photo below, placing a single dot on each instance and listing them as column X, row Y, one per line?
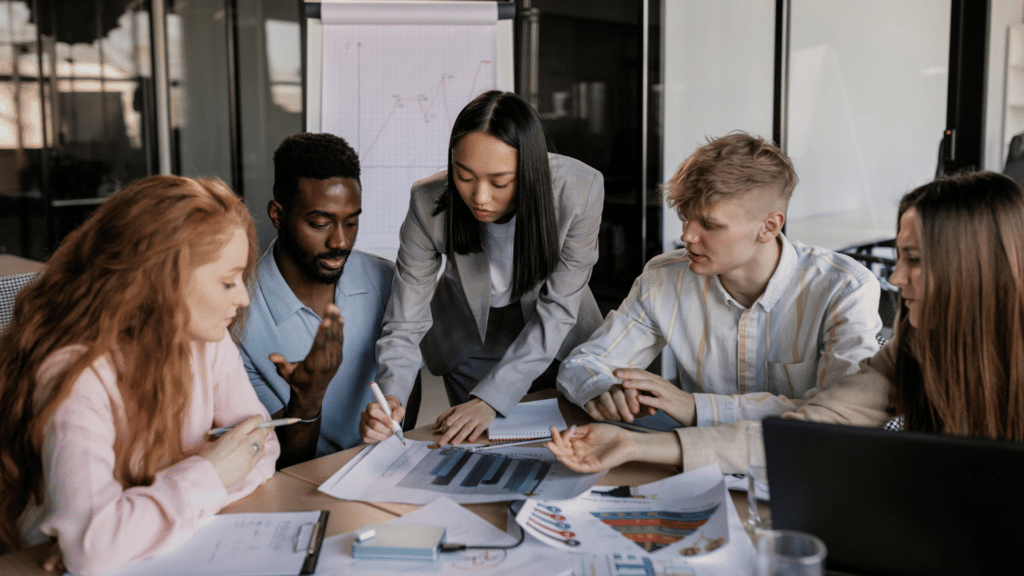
column 519, row 229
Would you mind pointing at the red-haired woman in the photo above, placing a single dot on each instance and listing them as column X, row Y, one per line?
column 117, row 363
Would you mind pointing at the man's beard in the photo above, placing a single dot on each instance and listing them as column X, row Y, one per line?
column 309, row 263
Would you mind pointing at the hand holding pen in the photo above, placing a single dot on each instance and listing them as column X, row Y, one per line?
column 380, row 419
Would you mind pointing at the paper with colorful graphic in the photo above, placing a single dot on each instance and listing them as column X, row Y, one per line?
column 681, row 515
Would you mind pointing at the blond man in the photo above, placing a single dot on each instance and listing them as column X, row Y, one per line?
column 757, row 323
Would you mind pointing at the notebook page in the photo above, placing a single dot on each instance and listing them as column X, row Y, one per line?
column 527, row 420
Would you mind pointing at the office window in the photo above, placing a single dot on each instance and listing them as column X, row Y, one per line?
column 867, row 107
column 589, row 88
column 75, row 115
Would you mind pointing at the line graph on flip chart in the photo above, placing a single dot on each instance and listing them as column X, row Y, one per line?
column 393, row 91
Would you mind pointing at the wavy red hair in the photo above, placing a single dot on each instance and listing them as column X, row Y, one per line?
column 115, row 286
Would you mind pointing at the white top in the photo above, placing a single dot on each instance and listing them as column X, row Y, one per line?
column 499, row 242
column 816, row 320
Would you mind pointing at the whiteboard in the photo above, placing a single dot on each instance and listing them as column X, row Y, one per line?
column 390, row 78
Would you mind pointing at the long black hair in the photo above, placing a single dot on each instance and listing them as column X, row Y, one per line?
column 512, row 120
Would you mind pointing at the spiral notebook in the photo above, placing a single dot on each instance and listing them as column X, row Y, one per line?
column 528, row 420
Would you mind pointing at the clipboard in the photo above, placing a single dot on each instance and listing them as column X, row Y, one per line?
column 243, row 544
column 316, row 540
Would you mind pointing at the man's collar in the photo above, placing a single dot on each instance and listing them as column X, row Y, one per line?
column 779, row 281
column 282, row 301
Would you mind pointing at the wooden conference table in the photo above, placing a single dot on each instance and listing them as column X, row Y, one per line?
column 295, row 489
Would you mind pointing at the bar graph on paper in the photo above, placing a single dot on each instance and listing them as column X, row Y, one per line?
column 415, row 473
column 393, row 92
column 455, row 471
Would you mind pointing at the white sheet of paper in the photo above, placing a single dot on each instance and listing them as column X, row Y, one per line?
column 416, row 474
column 266, row 543
column 529, row 559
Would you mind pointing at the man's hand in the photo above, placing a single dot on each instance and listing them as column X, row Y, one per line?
column 616, row 405
column 659, row 394
column 374, row 424
column 309, row 379
column 464, row 422
column 593, row 448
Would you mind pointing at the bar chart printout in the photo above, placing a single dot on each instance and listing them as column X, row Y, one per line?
column 416, row 474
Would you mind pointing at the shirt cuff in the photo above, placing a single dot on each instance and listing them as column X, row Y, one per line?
column 197, row 478
column 724, row 445
column 714, row 409
column 502, row 406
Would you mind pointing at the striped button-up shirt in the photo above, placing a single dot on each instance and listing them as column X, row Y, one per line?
column 816, row 320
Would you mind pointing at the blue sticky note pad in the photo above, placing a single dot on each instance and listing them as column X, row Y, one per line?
column 400, row 542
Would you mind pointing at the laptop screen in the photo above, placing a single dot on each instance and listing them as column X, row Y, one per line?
column 899, row 503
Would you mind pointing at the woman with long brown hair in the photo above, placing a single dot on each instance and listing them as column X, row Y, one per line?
column 117, row 363
column 955, row 365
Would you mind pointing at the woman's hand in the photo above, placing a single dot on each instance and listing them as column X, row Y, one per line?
column 237, row 452
column 464, row 422
column 659, row 394
column 594, row 447
column 54, row 560
column 374, row 424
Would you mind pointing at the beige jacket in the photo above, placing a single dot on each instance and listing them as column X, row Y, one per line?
column 860, row 399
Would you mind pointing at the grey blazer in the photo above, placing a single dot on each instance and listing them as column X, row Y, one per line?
column 448, row 319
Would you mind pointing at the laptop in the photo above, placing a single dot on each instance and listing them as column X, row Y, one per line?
column 899, row 503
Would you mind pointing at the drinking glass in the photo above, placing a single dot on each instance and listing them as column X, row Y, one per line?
column 789, row 553
column 760, row 516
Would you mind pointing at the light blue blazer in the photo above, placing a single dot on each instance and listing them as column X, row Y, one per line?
column 447, row 318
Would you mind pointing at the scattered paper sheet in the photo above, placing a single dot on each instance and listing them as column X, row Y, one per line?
column 736, row 557
column 464, row 527
column 417, row 474
column 684, row 514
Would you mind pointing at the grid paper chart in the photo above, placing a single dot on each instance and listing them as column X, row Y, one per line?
column 393, row 92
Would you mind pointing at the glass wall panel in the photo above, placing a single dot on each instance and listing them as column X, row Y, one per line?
column 198, row 74
column 867, row 108
column 589, row 77
column 22, row 229
column 75, row 118
column 270, row 107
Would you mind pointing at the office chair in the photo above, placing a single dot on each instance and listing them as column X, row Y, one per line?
column 880, row 258
column 10, row 285
column 1015, row 159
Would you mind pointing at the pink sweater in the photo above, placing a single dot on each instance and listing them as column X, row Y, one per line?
column 101, row 526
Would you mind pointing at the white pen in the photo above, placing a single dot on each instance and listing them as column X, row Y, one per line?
column 477, row 448
column 264, row 424
column 395, row 427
